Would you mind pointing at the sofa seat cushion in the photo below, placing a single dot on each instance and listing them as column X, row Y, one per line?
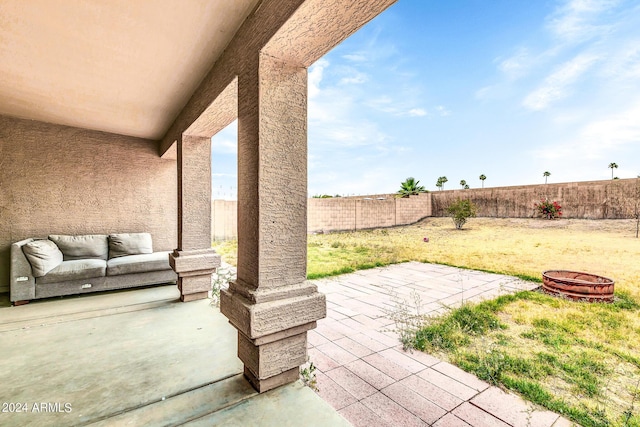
column 92, row 246
column 75, row 270
column 129, row 244
column 156, row 261
column 43, row 255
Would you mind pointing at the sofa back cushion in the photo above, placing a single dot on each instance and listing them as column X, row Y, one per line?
column 129, row 244
column 43, row 255
column 92, row 246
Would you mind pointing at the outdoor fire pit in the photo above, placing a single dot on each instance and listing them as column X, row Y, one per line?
column 578, row 286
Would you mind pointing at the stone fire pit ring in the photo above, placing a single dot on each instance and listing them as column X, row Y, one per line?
column 578, row 286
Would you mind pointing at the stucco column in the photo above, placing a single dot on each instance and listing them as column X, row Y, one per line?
column 271, row 303
column 194, row 261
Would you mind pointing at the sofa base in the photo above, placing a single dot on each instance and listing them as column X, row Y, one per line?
column 106, row 283
column 23, row 302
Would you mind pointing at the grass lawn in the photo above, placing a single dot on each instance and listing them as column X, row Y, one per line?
column 580, row 359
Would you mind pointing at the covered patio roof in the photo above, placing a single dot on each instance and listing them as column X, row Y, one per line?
column 119, row 66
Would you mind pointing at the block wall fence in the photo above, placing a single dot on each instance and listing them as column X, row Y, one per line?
column 585, row 200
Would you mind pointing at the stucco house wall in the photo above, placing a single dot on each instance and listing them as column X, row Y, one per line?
column 64, row 180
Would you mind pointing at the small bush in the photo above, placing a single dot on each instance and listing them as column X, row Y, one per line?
column 549, row 210
column 460, row 211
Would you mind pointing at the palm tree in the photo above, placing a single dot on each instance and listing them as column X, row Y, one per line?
column 410, row 187
column 443, row 179
column 463, row 183
column 439, row 183
column 613, row 166
column 482, row 178
column 546, row 175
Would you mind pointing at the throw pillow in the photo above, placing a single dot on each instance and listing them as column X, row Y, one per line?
column 129, row 244
column 90, row 246
column 43, row 255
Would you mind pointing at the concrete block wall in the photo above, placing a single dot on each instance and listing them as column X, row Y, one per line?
column 224, row 219
column 65, row 180
column 337, row 214
column 331, row 214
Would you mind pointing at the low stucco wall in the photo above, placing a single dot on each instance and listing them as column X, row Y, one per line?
column 64, row 180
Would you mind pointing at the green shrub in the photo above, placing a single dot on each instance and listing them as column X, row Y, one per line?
column 460, row 211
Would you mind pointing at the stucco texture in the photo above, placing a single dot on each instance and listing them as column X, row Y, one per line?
column 65, row 180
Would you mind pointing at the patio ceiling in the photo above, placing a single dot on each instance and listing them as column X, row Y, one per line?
column 119, row 66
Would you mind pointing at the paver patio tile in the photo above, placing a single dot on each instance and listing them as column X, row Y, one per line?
column 419, row 356
column 363, row 308
column 326, row 331
column 353, row 326
column 352, row 383
column 403, row 360
column 390, row 412
column 450, row 420
column 337, row 353
column 460, row 375
column 361, row 416
column 346, row 327
column 440, row 397
column 512, row 409
column 332, row 393
column 383, row 338
column 369, row 342
column 377, row 299
column 370, row 374
column 353, row 347
column 387, row 366
column 376, row 324
column 335, row 315
column 447, row 383
column 346, row 311
column 321, row 361
column 315, row 338
column 426, row 410
column 477, row 417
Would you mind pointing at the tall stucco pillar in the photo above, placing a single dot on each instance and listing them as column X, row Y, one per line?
column 194, row 260
column 271, row 303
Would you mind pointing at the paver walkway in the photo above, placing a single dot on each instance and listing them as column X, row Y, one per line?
column 363, row 372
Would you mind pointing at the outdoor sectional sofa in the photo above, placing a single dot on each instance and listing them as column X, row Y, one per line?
column 66, row 265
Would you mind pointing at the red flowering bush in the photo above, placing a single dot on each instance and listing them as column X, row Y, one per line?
column 549, row 210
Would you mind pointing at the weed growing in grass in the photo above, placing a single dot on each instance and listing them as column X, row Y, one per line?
column 407, row 318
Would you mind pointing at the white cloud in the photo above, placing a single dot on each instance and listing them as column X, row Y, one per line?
column 314, row 77
column 225, row 146
column 557, row 85
column 355, row 57
column 355, row 78
column 578, row 20
column 517, row 65
column 598, row 139
column 417, row 112
column 443, row 111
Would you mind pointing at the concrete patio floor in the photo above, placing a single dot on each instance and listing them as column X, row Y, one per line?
column 136, row 357
column 364, row 373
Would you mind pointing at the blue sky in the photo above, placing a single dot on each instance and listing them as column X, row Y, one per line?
column 505, row 88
